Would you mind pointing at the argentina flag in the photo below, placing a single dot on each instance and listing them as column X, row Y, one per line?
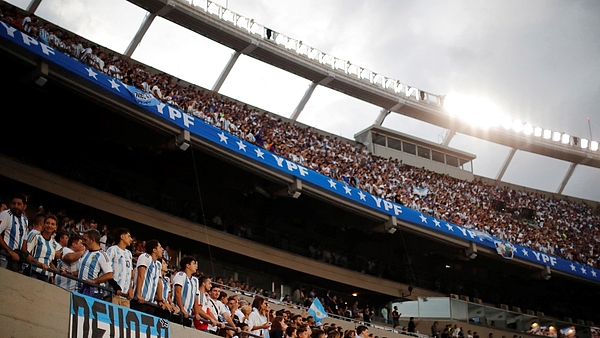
column 317, row 311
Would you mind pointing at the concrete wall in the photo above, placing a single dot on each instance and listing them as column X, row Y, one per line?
column 30, row 308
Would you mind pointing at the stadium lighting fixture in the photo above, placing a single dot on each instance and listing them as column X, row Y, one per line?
column 527, row 129
column 556, row 136
column 547, row 134
column 537, row 132
column 584, row 143
column 565, row 139
column 506, row 122
column 594, row 146
column 473, row 110
column 517, row 126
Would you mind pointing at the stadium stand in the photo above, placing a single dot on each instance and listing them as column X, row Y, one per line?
column 102, row 156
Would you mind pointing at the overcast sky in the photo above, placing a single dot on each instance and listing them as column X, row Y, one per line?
column 538, row 61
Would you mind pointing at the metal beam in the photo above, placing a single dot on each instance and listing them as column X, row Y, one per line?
column 385, row 112
column 303, row 101
column 566, row 179
column 507, row 161
column 148, row 19
column 33, row 6
column 232, row 60
column 448, row 137
column 307, row 94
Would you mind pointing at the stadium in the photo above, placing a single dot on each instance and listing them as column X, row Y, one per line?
column 272, row 211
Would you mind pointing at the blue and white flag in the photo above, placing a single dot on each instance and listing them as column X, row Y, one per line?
column 422, row 192
column 317, row 311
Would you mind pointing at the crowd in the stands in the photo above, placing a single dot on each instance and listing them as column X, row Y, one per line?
column 558, row 225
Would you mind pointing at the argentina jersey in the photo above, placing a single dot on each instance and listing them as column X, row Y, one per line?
column 122, row 265
column 150, row 279
column 42, row 250
column 189, row 288
column 64, row 282
column 94, row 264
column 14, row 228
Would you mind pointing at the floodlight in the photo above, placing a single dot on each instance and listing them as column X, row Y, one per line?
column 517, row 126
column 547, row 134
column 565, row 138
column 556, row 136
column 584, row 143
column 594, row 146
column 527, row 129
column 537, row 131
column 506, row 122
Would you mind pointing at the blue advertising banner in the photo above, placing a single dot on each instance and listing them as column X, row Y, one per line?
column 91, row 317
column 219, row 137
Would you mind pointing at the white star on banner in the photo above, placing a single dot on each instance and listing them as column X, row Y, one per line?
column 423, row 218
column 241, row 145
column 223, row 138
column 347, row 189
column 593, row 273
column 332, row 184
column 572, row 267
column 362, row 195
column 437, row 223
column 91, row 73
column 583, row 270
column 259, row 153
column 114, row 84
column 525, row 253
column 449, row 227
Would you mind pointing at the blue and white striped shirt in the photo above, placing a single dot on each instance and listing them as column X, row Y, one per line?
column 14, row 228
column 94, row 264
column 189, row 288
column 122, row 265
column 64, row 282
column 151, row 277
column 42, row 250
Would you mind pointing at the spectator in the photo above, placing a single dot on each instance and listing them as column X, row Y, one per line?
column 257, row 321
column 147, row 287
column 278, row 327
column 185, row 294
column 42, row 249
column 14, row 224
column 207, row 310
column 122, row 264
column 69, row 263
column 95, row 265
column 167, row 295
column 435, row 331
column 412, row 325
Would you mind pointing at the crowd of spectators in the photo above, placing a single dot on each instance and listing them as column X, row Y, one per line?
column 79, row 237
column 559, row 226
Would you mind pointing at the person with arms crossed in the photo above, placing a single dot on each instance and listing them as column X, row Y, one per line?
column 13, row 226
column 122, row 264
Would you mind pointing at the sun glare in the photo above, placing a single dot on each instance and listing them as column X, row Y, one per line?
column 473, row 110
